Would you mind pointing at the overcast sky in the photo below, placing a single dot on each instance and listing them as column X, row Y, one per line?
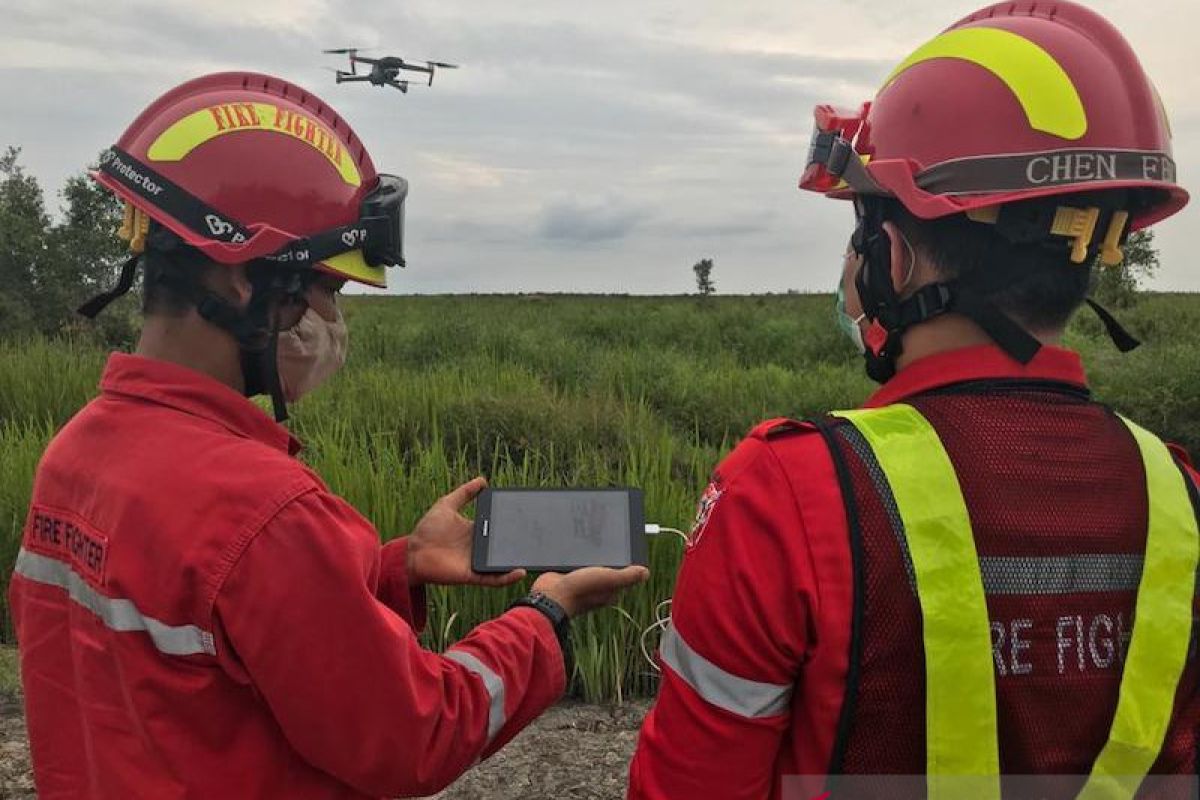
column 583, row 146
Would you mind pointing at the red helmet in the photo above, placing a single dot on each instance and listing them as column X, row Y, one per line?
column 1016, row 101
column 244, row 166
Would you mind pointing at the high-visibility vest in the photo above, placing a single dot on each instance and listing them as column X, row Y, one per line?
column 961, row 724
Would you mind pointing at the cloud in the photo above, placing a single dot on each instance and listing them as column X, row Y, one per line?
column 455, row 173
column 575, row 149
column 589, row 222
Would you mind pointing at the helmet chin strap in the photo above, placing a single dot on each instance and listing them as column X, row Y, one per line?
column 891, row 316
column 256, row 328
column 260, row 362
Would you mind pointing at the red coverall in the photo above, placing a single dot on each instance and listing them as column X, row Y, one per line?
column 764, row 602
column 198, row 616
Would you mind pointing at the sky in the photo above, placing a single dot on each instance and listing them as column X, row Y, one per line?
column 582, row 146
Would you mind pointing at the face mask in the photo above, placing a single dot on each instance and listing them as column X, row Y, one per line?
column 309, row 353
column 849, row 324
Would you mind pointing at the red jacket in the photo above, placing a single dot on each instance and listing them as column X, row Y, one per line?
column 198, row 616
column 761, row 620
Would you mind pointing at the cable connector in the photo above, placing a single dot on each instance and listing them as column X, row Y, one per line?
column 654, row 530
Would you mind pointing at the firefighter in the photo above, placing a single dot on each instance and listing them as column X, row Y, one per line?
column 198, row 615
column 943, row 584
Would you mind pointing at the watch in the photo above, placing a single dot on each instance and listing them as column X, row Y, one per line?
column 553, row 612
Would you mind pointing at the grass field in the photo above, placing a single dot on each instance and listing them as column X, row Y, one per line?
column 570, row 391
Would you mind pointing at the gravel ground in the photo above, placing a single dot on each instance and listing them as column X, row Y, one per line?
column 574, row 751
column 15, row 780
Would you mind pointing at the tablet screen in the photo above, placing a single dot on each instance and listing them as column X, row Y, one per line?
column 565, row 527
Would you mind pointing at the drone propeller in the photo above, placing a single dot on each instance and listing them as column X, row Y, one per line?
column 341, row 51
column 442, row 64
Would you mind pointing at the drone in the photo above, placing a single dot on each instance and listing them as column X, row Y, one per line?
column 385, row 71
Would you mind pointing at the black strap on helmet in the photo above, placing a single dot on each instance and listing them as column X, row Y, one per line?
column 835, row 154
column 378, row 231
column 256, row 328
column 884, row 307
column 1122, row 338
column 173, row 199
column 893, row 316
column 92, row 308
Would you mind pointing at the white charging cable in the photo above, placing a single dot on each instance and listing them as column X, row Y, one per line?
column 655, row 530
column 662, row 618
column 662, row 614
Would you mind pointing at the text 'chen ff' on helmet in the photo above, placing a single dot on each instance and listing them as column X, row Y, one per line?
column 1016, row 101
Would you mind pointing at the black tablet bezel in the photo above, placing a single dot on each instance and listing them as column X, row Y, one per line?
column 483, row 514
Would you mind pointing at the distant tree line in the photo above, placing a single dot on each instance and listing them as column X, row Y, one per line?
column 50, row 264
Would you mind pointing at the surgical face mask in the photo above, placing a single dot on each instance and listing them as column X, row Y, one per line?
column 309, row 353
column 850, row 325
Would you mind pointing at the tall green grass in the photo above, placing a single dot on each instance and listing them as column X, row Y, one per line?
column 559, row 391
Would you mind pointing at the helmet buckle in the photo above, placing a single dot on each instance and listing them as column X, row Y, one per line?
column 1111, row 253
column 1079, row 224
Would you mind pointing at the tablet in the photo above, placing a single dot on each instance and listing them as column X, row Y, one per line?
column 558, row 530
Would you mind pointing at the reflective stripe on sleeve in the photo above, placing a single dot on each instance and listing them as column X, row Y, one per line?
column 116, row 613
column 491, row 681
column 741, row 696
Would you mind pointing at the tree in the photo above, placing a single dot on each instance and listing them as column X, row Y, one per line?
column 703, row 270
column 23, row 245
column 48, row 268
column 1118, row 285
column 89, row 258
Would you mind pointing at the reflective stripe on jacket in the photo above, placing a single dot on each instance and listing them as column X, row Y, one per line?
column 762, row 646
column 199, row 616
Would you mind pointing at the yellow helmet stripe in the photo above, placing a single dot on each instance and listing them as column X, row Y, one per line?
column 1043, row 88
column 188, row 133
column 353, row 266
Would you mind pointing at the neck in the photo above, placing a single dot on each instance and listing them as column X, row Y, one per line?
column 952, row 332
column 191, row 342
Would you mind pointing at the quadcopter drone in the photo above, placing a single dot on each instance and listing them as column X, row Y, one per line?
column 385, row 71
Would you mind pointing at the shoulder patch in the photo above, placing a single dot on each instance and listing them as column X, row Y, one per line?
column 704, row 509
column 747, row 451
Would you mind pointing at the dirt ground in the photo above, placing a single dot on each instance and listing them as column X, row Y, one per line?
column 574, row 751
column 15, row 780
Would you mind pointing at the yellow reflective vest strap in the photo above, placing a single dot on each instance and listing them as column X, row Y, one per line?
column 963, row 753
column 1161, row 631
column 963, row 748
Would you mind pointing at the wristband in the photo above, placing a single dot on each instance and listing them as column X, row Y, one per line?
column 552, row 611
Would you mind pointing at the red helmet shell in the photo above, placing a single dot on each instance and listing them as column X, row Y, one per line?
column 1019, row 100
column 261, row 151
